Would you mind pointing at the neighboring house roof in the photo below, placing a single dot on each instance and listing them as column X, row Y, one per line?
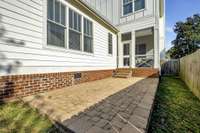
column 93, row 14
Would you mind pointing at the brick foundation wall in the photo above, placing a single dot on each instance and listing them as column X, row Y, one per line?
column 24, row 85
column 145, row 72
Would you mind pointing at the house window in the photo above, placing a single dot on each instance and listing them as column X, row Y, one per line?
column 88, row 36
column 139, row 4
column 127, row 7
column 74, row 30
column 126, row 36
column 56, row 23
column 110, row 44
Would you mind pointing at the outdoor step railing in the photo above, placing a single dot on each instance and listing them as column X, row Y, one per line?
column 144, row 60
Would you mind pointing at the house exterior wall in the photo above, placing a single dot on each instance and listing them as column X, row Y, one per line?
column 149, row 17
column 109, row 9
column 17, row 86
column 26, row 21
column 113, row 11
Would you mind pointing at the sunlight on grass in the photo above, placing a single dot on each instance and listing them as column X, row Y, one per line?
column 176, row 109
column 18, row 117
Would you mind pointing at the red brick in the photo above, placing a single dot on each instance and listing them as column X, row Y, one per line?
column 24, row 85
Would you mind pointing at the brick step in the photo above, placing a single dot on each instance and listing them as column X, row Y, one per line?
column 122, row 73
column 121, row 76
column 123, row 70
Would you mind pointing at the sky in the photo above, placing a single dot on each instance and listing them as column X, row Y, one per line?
column 178, row 10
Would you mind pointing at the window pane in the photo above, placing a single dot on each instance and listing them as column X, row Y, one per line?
column 139, row 4
column 128, row 8
column 85, row 26
column 75, row 21
column 110, row 43
column 55, row 35
column 50, row 9
column 126, row 62
column 126, row 49
column 63, row 14
column 126, row 36
column 79, row 23
column 74, row 40
column 57, row 11
column 88, row 44
column 70, row 18
column 90, row 28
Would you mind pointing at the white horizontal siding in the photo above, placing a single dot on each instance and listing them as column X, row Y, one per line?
column 24, row 20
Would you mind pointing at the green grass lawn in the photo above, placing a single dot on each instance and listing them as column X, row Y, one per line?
column 18, row 117
column 176, row 109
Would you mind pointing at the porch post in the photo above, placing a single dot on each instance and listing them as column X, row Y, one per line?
column 133, row 43
column 156, row 48
column 120, row 48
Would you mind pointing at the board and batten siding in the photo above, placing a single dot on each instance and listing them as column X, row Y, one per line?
column 26, row 20
column 110, row 8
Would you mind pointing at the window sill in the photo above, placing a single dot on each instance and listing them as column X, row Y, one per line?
column 64, row 50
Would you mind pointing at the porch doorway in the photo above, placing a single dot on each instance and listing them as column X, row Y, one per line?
column 126, row 54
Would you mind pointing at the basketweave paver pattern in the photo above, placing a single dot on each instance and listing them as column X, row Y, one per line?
column 127, row 111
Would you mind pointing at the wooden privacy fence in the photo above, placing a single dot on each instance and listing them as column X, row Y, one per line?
column 190, row 72
column 170, row 67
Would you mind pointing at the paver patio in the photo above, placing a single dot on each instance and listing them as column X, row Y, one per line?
column 111, row 105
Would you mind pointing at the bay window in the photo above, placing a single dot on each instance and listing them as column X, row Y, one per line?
column 80, row 30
